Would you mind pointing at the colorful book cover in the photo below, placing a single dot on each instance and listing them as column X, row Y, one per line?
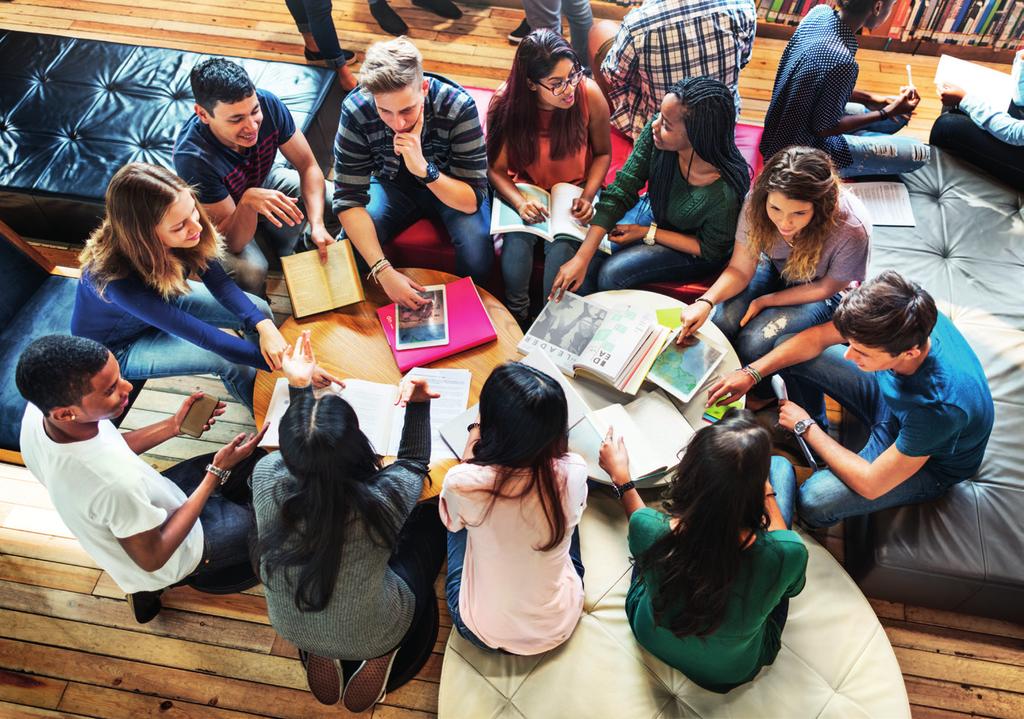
column 468, row 326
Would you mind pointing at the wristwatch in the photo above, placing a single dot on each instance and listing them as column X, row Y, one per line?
column 432, row 174
column 651, row 232
column 802, row 426
column 221, row 474
column 621, row 489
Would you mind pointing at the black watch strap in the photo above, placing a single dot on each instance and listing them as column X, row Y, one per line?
column 621, row 489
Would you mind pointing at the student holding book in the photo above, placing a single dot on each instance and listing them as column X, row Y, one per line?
column 715, row 571
column 134, row 296
column 547, row 124
column 683, row 228
column 512, row 508
column 801, row 240
column 347, row 557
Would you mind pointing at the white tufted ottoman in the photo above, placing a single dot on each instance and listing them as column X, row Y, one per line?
column 835, row 661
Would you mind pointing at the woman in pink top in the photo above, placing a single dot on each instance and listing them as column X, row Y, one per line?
column 515, row 578
column 547, row 124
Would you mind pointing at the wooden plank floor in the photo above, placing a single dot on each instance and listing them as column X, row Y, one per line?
column 68, row 646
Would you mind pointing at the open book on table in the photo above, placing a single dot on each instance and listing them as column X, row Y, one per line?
column 317, row 287
column 616, row 346
column 380, row 419
column 559, row 225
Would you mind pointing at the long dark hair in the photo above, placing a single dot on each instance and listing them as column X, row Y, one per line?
column 524, row 425
column 332, row 463
column 513, row 118
column 716, row 494
column 710, row 119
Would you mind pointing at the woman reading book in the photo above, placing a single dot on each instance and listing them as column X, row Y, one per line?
column 512, row 508
column 715, row 571
column 347, row 557
column 136, row 299
column 547, row 124
column 682, row 229
column 800, row 241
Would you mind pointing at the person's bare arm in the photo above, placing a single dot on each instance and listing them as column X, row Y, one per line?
column 311, row 183
column 360, row 230
column 143, row 439
column 237, row 222
column 796, row 295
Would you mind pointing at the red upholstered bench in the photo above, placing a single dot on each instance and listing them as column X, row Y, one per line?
column 426, row 244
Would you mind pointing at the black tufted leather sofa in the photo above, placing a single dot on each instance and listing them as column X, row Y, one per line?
column 73, row 111
column 963, row 552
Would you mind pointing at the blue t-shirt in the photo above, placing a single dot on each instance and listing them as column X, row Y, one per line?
column 945, row 408
column 216, row 170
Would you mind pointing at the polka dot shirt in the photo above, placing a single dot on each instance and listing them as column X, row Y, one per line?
column 816, row 76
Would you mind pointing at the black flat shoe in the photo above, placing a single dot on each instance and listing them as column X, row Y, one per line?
column 387, row 18
column 145, row 605
column 445, row 8
column 311, row 56
column 516, row 36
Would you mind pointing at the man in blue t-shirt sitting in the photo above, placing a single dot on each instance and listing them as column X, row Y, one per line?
column 227, row 150
column 907, row 373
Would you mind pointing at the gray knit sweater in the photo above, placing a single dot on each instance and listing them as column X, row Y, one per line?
column 371, row 607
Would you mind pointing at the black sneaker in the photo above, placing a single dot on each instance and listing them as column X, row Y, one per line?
column 445, row 8
column 368, row 683
column 516, row 36
column 387, row 18
column 145, row 605
column 323, row 675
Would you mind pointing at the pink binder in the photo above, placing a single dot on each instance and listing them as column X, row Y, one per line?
column 468, row 326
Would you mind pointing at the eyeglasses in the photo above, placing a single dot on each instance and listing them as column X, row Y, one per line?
column 559, row 87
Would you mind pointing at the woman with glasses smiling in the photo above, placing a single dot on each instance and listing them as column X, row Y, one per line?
column 547, row 124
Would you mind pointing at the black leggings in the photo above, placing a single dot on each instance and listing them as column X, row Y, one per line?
column 956, row 133
column 417, row 559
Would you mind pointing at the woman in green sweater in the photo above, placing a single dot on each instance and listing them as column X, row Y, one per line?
column 714, row 573
column 684, row 227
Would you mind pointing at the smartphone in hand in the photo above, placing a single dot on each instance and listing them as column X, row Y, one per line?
column 198, row 415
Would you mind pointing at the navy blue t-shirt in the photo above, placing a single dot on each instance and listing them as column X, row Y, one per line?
column 945, row 408
column 216, row 170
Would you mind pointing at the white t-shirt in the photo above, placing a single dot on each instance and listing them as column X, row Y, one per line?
column 103, row 490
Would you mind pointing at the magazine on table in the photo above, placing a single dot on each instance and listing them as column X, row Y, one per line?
column 426, row 325
column 682, row 369
column 616, row 346
column 380, row 419
column 559, row 225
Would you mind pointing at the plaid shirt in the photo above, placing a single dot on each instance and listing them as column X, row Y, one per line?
column 663, row 41
column 365, row 146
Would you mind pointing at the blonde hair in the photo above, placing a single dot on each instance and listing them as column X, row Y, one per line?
column 807, row 175
column 137, row 198
column 390, row 66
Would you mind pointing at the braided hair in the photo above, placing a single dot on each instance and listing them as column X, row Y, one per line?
column 710, row 121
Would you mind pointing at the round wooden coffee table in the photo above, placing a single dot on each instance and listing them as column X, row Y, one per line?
column 350, row 342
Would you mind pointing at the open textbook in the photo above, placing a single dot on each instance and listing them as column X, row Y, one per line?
column 560, row 224
column 380, row 419
column 616, row 346
column 651, row 453
column 888, row 203
column 317, row 287
column 994, row 86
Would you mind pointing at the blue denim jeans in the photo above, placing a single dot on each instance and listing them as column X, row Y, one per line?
column 453, row 583
column 758, row 337
column 394, row 205
column 159, row 354
column 824, row 498
column 876, row 151
column 517, row 266
column 314, row 16
column 639, row 264
column 547, row 14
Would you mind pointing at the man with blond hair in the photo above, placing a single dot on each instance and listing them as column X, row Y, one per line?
column 410, row 146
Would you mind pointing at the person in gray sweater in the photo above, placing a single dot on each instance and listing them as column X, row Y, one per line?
column 347, row 557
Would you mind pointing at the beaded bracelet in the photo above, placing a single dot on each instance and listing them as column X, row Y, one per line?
column 378, row 266
column 753, row 373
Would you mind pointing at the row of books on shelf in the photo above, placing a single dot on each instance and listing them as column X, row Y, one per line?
column 997, row 24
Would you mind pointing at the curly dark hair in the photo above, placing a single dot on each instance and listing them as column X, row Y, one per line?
column 57, row 370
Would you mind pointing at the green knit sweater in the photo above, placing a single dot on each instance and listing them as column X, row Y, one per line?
column 709, row 213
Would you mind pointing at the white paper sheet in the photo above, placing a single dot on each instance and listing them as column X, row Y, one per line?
column 453, row 386
column 994, row 86
column 374, row 405
column 888, row 202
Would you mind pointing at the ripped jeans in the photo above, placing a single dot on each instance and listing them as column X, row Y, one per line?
column 876, row 150
column 759, row 335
